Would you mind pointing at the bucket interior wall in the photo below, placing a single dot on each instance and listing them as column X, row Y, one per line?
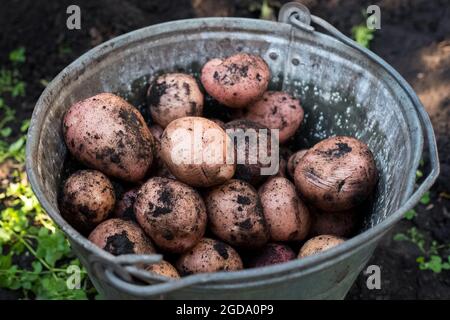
column 341, row 91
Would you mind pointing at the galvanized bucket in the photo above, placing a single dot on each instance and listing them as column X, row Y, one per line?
column 344, row 89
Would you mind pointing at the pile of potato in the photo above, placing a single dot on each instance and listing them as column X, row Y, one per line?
column 207, row 217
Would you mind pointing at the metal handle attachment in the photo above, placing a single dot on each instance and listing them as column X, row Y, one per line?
column 119, row 273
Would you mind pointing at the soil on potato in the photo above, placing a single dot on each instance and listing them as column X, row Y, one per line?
column 414, row 38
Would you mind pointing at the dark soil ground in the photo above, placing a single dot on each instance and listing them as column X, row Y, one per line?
column 414, row 38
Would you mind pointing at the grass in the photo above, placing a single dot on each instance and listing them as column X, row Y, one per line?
column 34, row 253
column 430, row 257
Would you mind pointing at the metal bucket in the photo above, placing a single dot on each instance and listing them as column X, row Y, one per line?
column 344, row 89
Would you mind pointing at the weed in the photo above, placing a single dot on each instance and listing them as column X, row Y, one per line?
column 34, row 253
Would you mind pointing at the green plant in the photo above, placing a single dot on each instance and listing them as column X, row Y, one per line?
column 34, row 254
column 363, row 35
column 27, row 232
column 265, row 8
column 429, row 258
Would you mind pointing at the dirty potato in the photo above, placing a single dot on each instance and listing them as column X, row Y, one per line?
column 235, row 214
column 286, row 215
column 118, row 237
column 172, row 96
column 277, row 110
column 87, row 198
column 108, row 134
column 209, row 256
column 196, row 151
column 171, row 213
column 319, row 244
column 336, row 174
column 236, row 81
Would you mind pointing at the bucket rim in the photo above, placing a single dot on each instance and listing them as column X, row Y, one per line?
column 34, row 135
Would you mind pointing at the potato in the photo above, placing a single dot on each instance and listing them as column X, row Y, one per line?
column 156, row 131
column 118, row 237
column 340, row 224
column 124, row 208
column 336, row 174
column 235, row 214
column 293, row 161
column 106, row 133
column 319, row 244
column 209, row 256
column 173, row 96
column 196, row 151
column 286, row 215
column 282, row 168
column 171, row 213
column 248, row 170
column 277, row 110
column 272, row 253
column 87, row 198
column 163, row 268
column 236, row 81
column 159, row 168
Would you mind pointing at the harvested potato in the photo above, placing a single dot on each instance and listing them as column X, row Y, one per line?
column 319, row 244
column 282, row 168
column 219, row 122
column 106, row 133
column 293, row 161
column 340, row 224
column 235, row 214
column 87, row 198
column 277, row 110
column 336, row 174
column 196, row 151
column 156, row 131
column 272, row 253
column 249, row 167
column 124, row 208
column 171, row 213
column 159, row 168
column 172, row 96
column 286, row 215
column 236, row 81
column 163, row 268
column 209, row 256
column 118, row 237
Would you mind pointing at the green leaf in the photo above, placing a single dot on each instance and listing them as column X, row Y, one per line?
column 5, row 132
column 425, row 200
column 18, row 55
column 419, row 174
column 16, row 146
column 401, row 237
column 362, row 35
column 410, row 214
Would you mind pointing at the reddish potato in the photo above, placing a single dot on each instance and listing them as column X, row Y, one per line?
column 235, row 214
column 340, row 224
column 196, row 151
column 124, row 208
column 87, row 198
column 294, row 160
column 209, row 256
column 171, row 213
column 108, row 134
column 319, row 244
column 287, row 216
column 249, row 168
column 237, row 80
column 163, row 268
column 119, row 237
column 272, row 253
column 173, row 96
column 336, row 174
column 277, row 110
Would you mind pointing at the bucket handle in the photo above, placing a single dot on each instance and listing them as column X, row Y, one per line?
column 299, row 16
